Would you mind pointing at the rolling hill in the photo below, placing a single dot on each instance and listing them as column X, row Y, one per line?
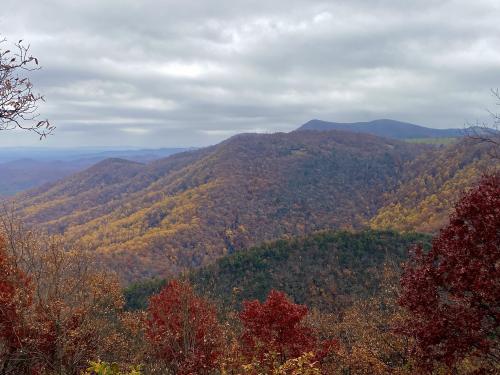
column 190, row 208
column 24, row 174
column 326, row 270
column 385, row 128
column 25, row 168
column 92, row 155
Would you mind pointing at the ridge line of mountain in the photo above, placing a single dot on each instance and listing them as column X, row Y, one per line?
column 389, row 128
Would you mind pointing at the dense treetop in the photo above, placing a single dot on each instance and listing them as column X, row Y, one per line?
column 326, row 270
column 452, row 291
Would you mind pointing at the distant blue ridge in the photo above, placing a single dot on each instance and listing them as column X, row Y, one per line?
column 386, row 128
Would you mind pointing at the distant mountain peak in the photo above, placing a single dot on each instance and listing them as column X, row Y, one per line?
column 384, row 128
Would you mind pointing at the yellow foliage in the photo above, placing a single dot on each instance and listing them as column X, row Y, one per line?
column 423, row 200
column 303, row 365
column 103, row 368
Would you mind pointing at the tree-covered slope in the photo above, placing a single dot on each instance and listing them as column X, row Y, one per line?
column 325, row 270
column 190, row 208
column 432, row 184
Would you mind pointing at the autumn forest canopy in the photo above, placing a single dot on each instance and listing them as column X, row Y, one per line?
column 367, row 247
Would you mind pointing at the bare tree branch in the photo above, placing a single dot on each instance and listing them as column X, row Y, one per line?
column 484, row 132
column 18, row 102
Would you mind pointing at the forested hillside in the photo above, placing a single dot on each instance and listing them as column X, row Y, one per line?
column 326, row 270
column 193, row 207
column 432, row 184
column 334, row 302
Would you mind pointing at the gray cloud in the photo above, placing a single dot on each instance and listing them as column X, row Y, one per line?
column 189, row 73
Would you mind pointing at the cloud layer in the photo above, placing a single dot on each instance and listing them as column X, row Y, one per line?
column 189, row 73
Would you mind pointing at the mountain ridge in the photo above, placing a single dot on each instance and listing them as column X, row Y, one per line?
column 23, row 168
column 192, row 207
column 384, row 128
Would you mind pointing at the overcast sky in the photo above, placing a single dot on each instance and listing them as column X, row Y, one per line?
column 189, row 73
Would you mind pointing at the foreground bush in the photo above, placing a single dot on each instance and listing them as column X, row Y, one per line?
column 452, row 292
column 182, row 330
column 57, row 310
column 276, row 331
